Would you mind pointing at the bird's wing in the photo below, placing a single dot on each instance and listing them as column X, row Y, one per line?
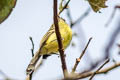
column 47, row 35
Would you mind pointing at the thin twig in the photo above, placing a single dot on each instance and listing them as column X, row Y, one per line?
column 32, row 65
column 108, row 48
column 70, row 17
column 103, row 71
column 99, row 69
column 78, row 60
column 112, row 40
column 32, row 50
column 112, row 15
column 85, row 14
column 65, row 6
column 60, row 45
column 119, row 49
column 119, row 45
column 87, row 74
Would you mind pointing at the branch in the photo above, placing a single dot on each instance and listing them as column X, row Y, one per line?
column 65, row 6
column 94, row 73
column 119, row 48
column 31, row 67
column 112, row 15
column 78, row 60
column 85, row 14
column 87, row 74
column 112, row 39
column 60, row 45
column 119, row 45
column 103, row 71
column 32, row 50
column 70, row 17
column 108, row 47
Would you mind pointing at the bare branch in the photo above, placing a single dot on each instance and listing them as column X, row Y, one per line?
column 103, row 71
column 119, row 48
column 60, row 45
column 112, row 39
column 32, row 50
column 108, row 48
column 112, row 15
column 85, row 14
column 65, row 6
column 94, row 73
column 70, row 17
column 87, row 74
column 119, row 45
column 78, row 60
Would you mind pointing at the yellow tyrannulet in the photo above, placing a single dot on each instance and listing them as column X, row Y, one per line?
column 49, row 44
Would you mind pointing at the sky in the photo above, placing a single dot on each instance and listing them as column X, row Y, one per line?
column 33, row 18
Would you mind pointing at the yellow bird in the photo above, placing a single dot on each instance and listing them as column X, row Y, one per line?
column 49, row 44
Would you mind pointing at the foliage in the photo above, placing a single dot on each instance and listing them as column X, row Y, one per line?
column 6, row 7
column 97, row 4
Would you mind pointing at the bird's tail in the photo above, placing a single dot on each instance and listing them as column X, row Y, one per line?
column 32, row 65
column 35, row 59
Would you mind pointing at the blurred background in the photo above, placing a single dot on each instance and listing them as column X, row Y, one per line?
column 33, row 18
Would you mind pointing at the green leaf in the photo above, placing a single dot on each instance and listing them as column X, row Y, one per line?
column 61, row 5
column 97, row 4
column 6, row 6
